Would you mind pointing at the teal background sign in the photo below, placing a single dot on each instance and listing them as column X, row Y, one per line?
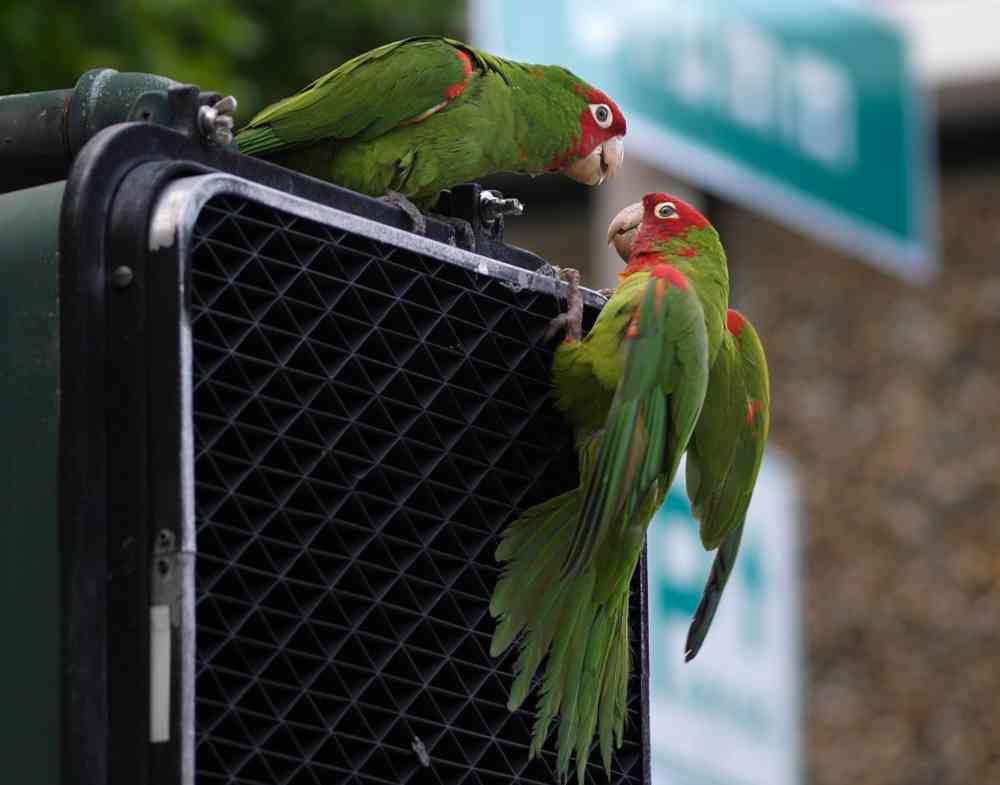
column 732, row 715
column 804, row 110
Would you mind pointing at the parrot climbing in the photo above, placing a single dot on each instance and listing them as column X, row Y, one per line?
column 413, row 117
column 665, row 368
column 723, row 457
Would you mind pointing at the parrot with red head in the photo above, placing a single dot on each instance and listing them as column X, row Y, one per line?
column 420, row 115
column 666, row 368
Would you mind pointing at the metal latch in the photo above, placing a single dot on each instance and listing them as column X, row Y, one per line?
column 166, row 592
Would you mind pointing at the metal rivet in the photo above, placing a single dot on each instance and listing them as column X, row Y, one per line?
column 121, row 277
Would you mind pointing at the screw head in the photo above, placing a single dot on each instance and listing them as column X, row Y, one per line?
column 122, row 277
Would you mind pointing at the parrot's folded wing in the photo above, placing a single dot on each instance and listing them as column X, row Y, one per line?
column 724, row 458
column 368, row 96
column 656, row 404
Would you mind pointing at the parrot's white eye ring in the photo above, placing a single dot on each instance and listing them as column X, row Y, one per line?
column 603, row 115
column 666, row 210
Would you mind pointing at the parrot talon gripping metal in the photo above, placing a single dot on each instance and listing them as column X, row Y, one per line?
column 216, row 121
column 572, row 320
column 549, row 270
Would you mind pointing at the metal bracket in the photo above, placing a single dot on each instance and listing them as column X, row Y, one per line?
column 166, row 592
column 187, row 109
column 166, row 587
column 485, row 210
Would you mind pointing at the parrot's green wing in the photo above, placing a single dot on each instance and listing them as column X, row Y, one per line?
column 367, row 96
column 584, row 613
column 654, row 411
column 724, row 458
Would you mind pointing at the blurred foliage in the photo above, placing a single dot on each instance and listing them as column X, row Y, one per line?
column 258, row 51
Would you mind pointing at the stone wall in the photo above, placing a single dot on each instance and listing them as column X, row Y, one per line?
column 888, row 397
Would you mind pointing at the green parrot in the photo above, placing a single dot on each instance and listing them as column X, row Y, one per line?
column 664, row 369
column 416, row 116
column 721, row 470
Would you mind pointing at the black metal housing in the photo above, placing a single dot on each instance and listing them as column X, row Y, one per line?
column 291, row 433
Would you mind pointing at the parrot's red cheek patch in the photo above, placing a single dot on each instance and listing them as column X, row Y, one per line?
column 668, row 272
column 735, row 321
column 753, row 408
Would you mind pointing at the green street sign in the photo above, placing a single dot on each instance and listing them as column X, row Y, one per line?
column 807, row 112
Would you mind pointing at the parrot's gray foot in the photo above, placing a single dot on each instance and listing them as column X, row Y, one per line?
column 606, row 293
column 216, row 121
column 572, row 320
column 463, row 230
column 549, row 270
column 417, row 220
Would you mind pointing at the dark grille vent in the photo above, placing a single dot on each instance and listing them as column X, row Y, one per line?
column 367, row 420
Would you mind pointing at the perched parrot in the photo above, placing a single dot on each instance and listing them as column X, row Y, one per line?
column 666, row 368
column 416, row 116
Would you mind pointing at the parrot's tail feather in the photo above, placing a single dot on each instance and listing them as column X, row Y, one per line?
column 564, row 617
column 717, row 578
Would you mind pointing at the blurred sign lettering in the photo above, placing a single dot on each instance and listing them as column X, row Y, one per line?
column 806, row 111
column 732, row 715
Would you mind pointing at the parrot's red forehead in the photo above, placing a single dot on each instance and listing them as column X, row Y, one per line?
column 687, row 215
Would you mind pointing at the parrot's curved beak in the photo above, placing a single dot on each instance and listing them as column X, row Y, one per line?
column 623, row 229
column 602, row 163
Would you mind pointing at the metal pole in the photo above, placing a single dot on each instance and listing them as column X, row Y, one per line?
column 33, row 144
column 40, row 133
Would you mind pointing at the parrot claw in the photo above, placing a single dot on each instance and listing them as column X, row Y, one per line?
column 216, row 121
column 572, row 320
column 549, row 270
column 606, row 293
column 417, row 220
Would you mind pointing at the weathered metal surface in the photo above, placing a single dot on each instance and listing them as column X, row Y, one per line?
column 33, row 146
column 40, row 133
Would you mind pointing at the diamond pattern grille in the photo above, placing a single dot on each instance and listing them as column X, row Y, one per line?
column 367, row 420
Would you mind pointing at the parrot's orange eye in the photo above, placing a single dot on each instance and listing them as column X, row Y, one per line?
column 602, row 114
column 666, row 210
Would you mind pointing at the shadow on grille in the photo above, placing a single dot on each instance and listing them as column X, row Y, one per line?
column 367, row 420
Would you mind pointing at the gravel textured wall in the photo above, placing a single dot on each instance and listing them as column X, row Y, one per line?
column 888, row 396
